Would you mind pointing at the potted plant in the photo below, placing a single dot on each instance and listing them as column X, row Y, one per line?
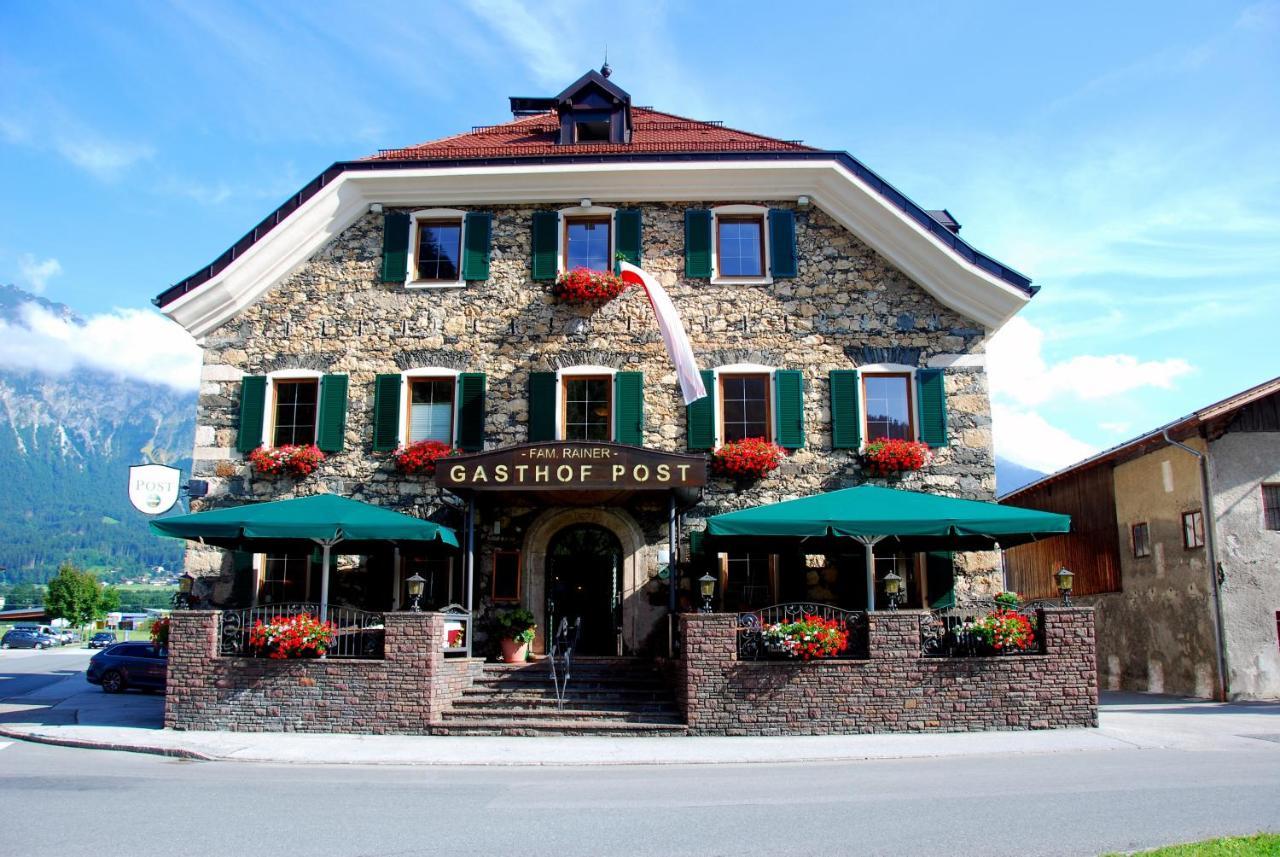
column 296, row 461
column 887, row 457
column 515, row 632
column 421, row 456
column 160, row 633
column 1001, row 632
column 749, row 458
column 284, row 637
column 809, row 638
column 584, row 286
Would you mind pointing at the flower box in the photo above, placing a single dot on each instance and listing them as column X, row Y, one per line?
column 421, row 457
column 286, row 637
column 810, row 638
column 584, row 286
column 886, row 456
column 749, row 458
column 1002, row 632
column 296, row 461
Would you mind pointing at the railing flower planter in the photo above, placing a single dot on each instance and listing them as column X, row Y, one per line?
column 296, row 461
column 808, row 638
column 286, row 637
column 749, row 458
column 420, row 458
column 888, row 457
column 584, row 286
column 982, row 629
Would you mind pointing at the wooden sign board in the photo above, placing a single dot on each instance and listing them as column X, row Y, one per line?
column 572, row 466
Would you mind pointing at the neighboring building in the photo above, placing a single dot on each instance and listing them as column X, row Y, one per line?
column 407, row 296
column 1144, row 543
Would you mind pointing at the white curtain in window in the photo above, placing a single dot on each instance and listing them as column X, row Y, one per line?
column 432, row 421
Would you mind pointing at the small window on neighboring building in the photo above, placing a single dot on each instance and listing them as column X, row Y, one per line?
column 586, row 243
column 748, row 581
column 588, row 407
column 1141, row 540
column 284, row 578
column 744, row 407
column 439, row 250
column 1271, row 506
column 296, row 402
column 430, row 410
column 888, row 406
column 740, row 246
column 1192, row 530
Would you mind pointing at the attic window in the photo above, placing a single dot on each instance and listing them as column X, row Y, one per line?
column 591, row 130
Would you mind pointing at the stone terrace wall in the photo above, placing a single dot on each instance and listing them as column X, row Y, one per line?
column 404, row 693
column 896, row 690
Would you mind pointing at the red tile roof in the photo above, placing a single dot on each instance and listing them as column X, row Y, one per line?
column 536, row 136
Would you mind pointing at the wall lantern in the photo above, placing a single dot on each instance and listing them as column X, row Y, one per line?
column 416, row 585
column 707, row 585
column 1065, row 580
column 893, row 589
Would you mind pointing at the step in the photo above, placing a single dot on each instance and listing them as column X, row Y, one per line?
column 543, row 705
column 609, row 697
column 543, row 715
column 480, row 726
column 524, row 680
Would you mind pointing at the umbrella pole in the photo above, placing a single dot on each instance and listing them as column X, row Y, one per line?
column 326, row 545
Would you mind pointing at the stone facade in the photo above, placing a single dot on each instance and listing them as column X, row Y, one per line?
column 401, row 694
column 846, row 307
column 895, row 690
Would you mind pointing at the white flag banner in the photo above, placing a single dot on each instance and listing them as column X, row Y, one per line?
column 673, row 332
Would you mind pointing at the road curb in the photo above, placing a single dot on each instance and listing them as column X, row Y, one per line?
column 81, row 744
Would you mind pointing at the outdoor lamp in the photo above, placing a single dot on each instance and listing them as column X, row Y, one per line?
column 893, row 589
column 416, row 584
column 186, row 582
column 707, row 585
column 1065, row 579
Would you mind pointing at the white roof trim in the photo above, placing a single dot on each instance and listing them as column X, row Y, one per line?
column 955, row 282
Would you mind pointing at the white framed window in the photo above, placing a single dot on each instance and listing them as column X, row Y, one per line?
column 585, row 403
column 293, row 407
column 744, row 402
column 428, row 405
column 740, row 245
column 436, row 239
column 586, row 238
column 887, row 402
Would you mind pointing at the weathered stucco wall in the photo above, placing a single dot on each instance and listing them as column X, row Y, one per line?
column 1249, row 557
column 334, row 315
column 1157, row 635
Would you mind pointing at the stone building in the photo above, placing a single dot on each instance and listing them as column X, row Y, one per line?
column 1176, row 543
column 410, row 295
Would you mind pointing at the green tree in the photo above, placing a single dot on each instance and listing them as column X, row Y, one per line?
column 108, row 600
column 24, row 595
column 74, row 595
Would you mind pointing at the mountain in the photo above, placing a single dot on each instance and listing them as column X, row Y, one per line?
column 66, row 443
column 1010, row 476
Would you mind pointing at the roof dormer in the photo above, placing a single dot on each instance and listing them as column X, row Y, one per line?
column 591, row 110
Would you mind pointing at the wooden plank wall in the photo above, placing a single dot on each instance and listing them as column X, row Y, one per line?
column 1091, row 550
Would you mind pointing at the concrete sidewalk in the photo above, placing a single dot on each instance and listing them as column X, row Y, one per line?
column 74, row 713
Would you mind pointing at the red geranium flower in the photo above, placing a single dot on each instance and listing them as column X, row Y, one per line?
column 749, row 458
column 421, row 457
column 288, row 459
column 582, row 285
column 886, row 456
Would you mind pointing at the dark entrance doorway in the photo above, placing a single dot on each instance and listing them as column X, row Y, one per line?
column 584, row 580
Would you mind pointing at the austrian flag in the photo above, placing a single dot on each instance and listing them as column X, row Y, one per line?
column 673, row 332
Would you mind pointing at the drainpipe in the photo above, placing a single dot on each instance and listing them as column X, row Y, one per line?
column 1211, row 551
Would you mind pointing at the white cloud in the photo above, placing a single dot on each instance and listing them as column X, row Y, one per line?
column 132, row 343
column 1116, row 427
column 1025, row 437
column 540, row 38
column 1019, row 372
column 37, row 273
column 104, row 159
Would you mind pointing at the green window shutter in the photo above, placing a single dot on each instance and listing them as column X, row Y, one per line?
column 546, row 235
column 471, row 411
column 542, row 406
column 697, row 243
column 931, row 394
column 475, row 255
column 628, row 396
column 331, row 427
column 386, row 413
column 253, row 402
column 846, row 421
column 788, row 395
column 782, row 242
column 395, row 247
column 627, row 238
column 702, row 416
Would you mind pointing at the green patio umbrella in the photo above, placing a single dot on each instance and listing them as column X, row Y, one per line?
column 869, row 514
column 322, row 519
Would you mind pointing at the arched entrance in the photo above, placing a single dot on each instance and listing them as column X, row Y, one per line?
column 584, row 581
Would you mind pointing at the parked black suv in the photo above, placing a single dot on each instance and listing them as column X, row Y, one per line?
column 102, row 639
column 126, row 665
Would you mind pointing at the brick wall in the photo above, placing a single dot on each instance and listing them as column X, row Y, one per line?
column 403, row 693
column 896, row 690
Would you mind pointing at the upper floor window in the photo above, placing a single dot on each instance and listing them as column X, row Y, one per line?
column 744, row 407
column 436, row 247
column 1192, row 530
column 430, row 411
column 588, row 407
column 295, row 409
column 587, row 243
column 1271, row 506
column 887, row 399
column 592, row 128
column 740, row 245
column 1141, row 540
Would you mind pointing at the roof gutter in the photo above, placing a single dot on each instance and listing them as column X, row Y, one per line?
column 1211, row 552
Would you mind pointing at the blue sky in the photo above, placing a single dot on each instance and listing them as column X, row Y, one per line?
column 1123, row 155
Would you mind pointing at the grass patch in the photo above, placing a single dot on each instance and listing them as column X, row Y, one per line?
column 1259, row 845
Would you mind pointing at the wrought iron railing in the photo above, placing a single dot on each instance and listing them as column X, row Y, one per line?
column 754, row 643
column 953, row 633
column 358, row 634
column 457, row 629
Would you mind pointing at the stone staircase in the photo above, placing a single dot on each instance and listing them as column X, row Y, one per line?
column 606, row 696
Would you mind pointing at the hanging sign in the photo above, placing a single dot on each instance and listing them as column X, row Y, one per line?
column 153, row 488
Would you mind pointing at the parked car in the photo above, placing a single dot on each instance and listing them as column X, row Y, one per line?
column 21, row 638
column 102, row 639
column 127, row 665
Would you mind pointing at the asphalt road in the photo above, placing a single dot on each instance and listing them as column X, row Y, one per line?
column 59, row 800
column 23, row 671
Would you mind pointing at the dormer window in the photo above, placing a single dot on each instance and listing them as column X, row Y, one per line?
column 592, row 128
